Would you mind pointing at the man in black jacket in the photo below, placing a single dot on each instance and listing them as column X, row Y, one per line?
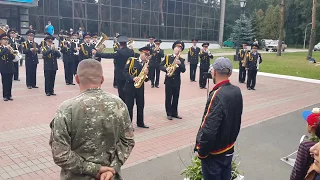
column 193, row 59
column 50, row 65
column 6, row 67
column 220, row 124
column 172, row 82
column 154, row 64
column 120, row 58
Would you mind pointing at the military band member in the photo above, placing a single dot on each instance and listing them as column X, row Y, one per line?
column 68, row 63
column 242, row 58
column 50, row 55
column 172, row 84
column 205, row 56
column 6, row 67
column 116, row 46
column 120, row 58
column 75, row 45
column 44, row 43
column 131, row 72
column 86, row 47
column 154, row 64
column 253, row 60
column 94, row 43
column 31, row 50
column 151, row 43
column 193, row 59
column 15, row 45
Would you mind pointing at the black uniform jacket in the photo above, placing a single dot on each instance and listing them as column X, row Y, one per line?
column 175, row 79
column 86, row 51
column 252, row 60
column 156, row 58
column 50, row 58
column 205, row 60
column 67, row 51
column 6, row 61
column 31, row 56
column 132, row 69
column 193, row 55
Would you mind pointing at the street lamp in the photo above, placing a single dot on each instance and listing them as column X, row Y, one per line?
column 243, row 4
column 305, row 36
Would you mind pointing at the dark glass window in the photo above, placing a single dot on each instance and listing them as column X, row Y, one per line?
column 216, row 35
column 199, row 22
column 170, row 20
column 66, row 23
column 177, row 33
column 178, row 20
column 32, row 11
column 146, row 4
column 105, row 28
column 144, row 31
column 105, row 2
column 192, row 34
column 155, row 5
column 178, row 8
column 105, row 13
column 155, row 18
column 154, row 30
column 162, row 32
column 171, row 6
column 126, row 15
column 136, row 16
column 37, row 23
column 65, row 8
column 92, row 26
column 170, row 32
column 185, row 21
column 145, row 18
column 115, row 14
column 136, row 4
column 193, row 10
column 199, row 10
column 126, row 3
column 115, row 2
column 184, row 34
column 198, row 34
column 115, row 27
column 204, row 35
column 192, row 22
column 126, row 29
column 210, row 35
column 135, row 30
column 92, row 11
column 79, row 23
column 185, row 9
column 79, row 10
column 51, row 8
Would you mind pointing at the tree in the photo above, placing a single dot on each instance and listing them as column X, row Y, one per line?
column 258, row 24
column 242, row 31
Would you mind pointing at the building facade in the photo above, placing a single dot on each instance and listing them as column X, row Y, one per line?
column 165, row 19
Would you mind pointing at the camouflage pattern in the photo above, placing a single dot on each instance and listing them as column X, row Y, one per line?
column 90, row 131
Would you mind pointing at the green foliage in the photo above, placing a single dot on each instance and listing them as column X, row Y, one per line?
column 242, row 31
column 193, row 172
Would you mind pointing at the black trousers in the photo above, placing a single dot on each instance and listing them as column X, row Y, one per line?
column 172, row 99
column 203, row 78
column 120, row 86
column 6, row 84
column 21, row 61
column 138, row 97
column 154, row 75
column 252, row 75
column 75, row 64
column 114, row 76
column 242, row 73
column 68, row 71
column 31, row 74
column 49, row 79
column 16, row 74
column 193, row 70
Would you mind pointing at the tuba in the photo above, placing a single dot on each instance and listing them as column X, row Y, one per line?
column 3, row 30
column 100, row 42
column 142, row 76
column 130, row 43
column 173, row 66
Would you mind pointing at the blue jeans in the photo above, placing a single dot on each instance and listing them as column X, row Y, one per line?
column 217, row 167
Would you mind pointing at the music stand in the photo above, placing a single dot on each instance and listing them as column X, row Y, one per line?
column 289, row 160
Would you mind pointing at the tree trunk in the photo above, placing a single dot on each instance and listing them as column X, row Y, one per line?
column 313, row 30
column 281, row 30
column 222, row 16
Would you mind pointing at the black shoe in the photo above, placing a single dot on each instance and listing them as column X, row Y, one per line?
column 10, row 98
column 253, row 89
column 35, row 87
column 115, row 87
column 169, row 117
column 67, row 83
column 194, row 81
column 178, row 117
column 152, row 86
column 142, row 126
column 157, row 86
column 17, row 79
column 201, row 87
column 248, row 88
column 204, row 88
column 48, row 94
column 5, row 99
column 72, row 84
column 53, row 94
column 29, row 87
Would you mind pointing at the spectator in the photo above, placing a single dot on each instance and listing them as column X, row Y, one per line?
column 92, row 134
column 220, row 124
column 49, row 28
column 304, row 159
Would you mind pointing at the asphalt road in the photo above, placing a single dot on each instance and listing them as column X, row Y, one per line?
column 259, row 147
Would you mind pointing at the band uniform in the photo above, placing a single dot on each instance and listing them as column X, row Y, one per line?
column 94, row 43
column 75, row 56
column 193, row 59
column 31, row 50
column 251, row 65
column 154, row 64
column 68, row 60
column 173, row 83
column 50, row 66
column 205, row 58
column 6, row 69
column 86, row 48
column 132, row 69
column 242, row 57
column 116, row 46
column 15, row 45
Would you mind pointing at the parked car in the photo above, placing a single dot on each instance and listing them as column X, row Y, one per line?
column 273, row 46
column 317, row 47
column 228, row 43
column 265, row 42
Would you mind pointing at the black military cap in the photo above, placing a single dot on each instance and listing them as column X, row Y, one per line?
column 30, row 32
column 47, row 34
column 194, row 40
column 255, row 46
column 178, row 43
column 145, row 49
column 205, row 44
column 4, row 36
column 94, row 34
column 75, row 33
column 157, row 41
column 87, row 34
column 49, row 37
column 122, row 39
column 244, row 43
column 11, row 30
column 152, row 37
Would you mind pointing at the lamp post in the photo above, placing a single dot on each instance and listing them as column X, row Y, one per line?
column 305, row 36
column 243, row 4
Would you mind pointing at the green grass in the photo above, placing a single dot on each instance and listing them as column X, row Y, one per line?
column 292, row 64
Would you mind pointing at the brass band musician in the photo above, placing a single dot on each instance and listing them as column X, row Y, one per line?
column 68, row 61
column 154, row 65
column 242, row 59
column 86, row 47
column 205, row 57
column 193, row 59
column 94, row 42
column 15, row 45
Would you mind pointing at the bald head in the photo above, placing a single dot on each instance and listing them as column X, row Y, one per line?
column 89, row 73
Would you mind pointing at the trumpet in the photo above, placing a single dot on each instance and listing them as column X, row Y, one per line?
column 76, row 41
column 130, row 43
column 16, row 53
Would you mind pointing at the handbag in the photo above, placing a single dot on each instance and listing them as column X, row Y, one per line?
column 311, row 174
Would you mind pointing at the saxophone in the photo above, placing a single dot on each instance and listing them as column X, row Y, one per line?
column 34, row 46
column 244, row 60
column 173, row 66
column 142, row 76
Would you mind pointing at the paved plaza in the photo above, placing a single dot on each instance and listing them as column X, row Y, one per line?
column 24, row 122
